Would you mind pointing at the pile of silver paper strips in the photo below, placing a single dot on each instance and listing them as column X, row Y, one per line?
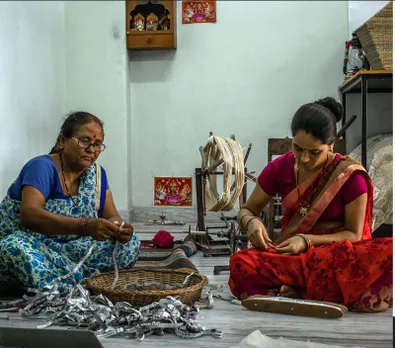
column 99, row 314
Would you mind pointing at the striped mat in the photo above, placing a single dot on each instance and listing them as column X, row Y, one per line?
column 178, row 258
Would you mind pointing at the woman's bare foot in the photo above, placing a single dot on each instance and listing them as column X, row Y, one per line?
column 288, row 291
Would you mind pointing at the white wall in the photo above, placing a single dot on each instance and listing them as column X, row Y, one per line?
column 246, row 78
column 97, row 70
column 32, row 82
column 247, row 74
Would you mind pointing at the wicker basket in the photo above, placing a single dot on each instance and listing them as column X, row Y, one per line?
column 101, row 284
column 376, row 39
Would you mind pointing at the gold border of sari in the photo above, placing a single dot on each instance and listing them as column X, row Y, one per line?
column 340, row 175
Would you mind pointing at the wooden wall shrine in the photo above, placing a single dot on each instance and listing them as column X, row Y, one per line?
column 151, row 25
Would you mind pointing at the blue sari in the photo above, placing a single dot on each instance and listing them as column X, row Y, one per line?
column 31, row 259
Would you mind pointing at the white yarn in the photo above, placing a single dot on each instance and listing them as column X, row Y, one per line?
column 232, row 154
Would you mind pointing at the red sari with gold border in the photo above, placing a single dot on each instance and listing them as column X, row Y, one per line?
column 357, row 275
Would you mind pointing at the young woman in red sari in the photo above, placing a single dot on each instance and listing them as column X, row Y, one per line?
column 325, row 250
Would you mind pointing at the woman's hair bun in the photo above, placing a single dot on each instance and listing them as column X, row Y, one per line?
column 331, row 104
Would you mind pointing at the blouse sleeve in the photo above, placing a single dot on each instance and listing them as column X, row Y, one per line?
column 104, row 181
column 267, row 180
column 354, row 187
column 103, row 191
column 38, row 173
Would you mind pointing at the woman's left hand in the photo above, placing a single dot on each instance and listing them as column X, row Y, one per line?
column 292, row 246
column 125, row 233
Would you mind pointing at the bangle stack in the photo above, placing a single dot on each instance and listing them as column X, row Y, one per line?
column 240, row 219
column 84, row 224
column 250, row 218
column 306, row 239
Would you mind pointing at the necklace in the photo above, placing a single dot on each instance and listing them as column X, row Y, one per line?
column 65, row 184
column 305, row 208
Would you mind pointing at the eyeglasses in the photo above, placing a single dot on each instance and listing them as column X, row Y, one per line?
column 98, row 147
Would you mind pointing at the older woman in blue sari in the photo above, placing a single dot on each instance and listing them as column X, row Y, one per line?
column 59, row 205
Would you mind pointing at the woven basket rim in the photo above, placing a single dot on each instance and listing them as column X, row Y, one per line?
column 115, row 292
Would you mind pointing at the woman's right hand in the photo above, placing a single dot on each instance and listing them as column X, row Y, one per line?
column 101, row 229
column 257, row 235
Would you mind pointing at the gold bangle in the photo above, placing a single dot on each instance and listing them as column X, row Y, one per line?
column 309, row 240
column 241, row 219
column 248, row 221
column 252, row 218
column 306, row 239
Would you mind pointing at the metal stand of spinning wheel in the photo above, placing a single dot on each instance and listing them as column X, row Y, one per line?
column 229, row 239
column 238, row 239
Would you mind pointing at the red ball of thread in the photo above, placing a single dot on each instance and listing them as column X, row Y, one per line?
column 163, row 239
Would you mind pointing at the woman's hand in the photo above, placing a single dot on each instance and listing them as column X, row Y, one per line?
column 257, row 235
column 125, row 232
column 292, row 246
column 101, row 229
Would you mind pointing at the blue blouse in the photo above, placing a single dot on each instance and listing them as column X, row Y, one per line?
column 42, row 174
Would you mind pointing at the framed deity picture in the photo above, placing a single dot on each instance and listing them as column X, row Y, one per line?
column 172, row 191
column 199, row 12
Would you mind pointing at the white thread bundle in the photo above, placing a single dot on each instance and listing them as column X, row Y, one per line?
column 79, row 264
column 114, row 258
column 88, row 254
column 232, row 154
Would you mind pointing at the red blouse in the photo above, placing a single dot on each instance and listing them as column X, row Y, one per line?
column 279, row 177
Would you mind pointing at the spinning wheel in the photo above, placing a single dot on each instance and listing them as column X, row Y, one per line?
column 228, row 153
column 237, row 239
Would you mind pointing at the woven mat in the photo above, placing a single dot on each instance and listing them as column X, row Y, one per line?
column 177, row 258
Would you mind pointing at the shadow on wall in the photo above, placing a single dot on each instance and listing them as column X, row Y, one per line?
column 8, row 171
column 150, row 66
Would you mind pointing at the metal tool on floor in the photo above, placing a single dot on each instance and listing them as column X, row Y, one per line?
column 162, row 221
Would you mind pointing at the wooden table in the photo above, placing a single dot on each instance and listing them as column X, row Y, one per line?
column 365, row 82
